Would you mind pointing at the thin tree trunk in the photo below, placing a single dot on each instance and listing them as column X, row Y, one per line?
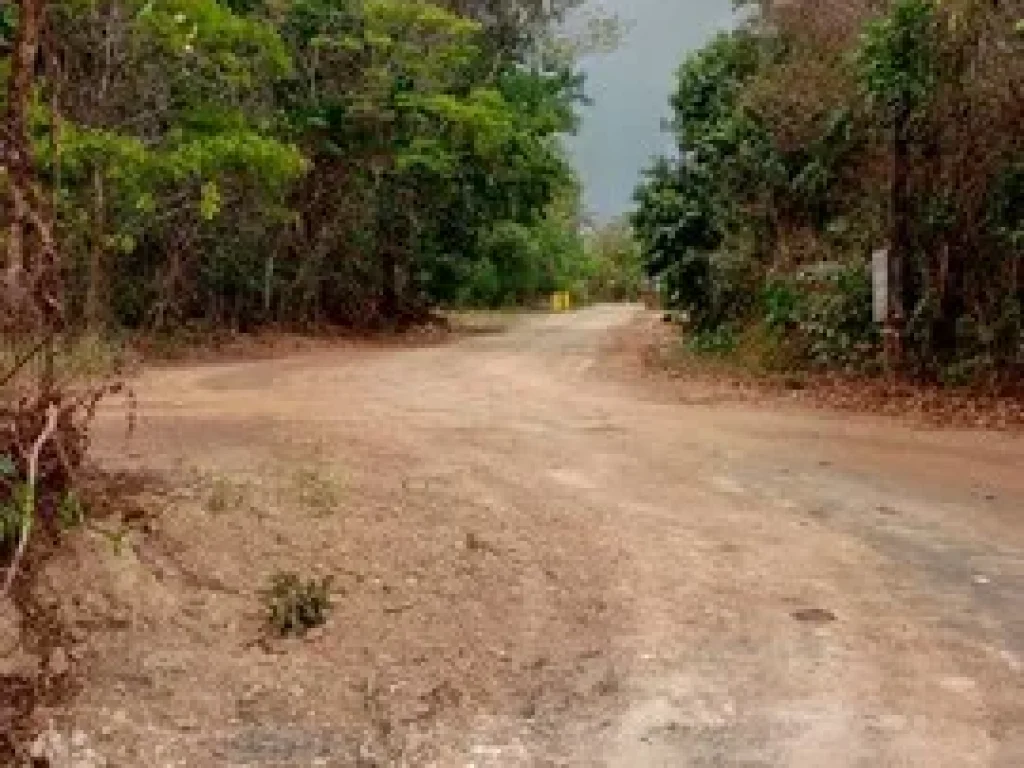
column 268, row 285
column 389, row 293
column 900, row 245
column 93, row 296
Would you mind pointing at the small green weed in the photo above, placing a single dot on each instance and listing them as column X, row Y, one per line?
column 295, row 606
column 224, row 495
column 318, row 491
column 70, row 510
column 714, row 341
column 12, row 515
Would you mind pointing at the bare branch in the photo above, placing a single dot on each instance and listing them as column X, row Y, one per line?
column 28, row 511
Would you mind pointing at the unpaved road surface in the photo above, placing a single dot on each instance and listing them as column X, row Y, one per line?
column 540, row 560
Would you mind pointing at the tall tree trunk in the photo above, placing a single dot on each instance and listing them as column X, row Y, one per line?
column 31, row 273
column 16, row 145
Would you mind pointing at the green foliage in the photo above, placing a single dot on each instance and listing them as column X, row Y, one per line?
column 70, row 510
column 614, row 263
column 1005, row 207
column 824, row 313
column 708, row 84
column 13, row 515
column 714, row 341
column 207, row 28
column 160, row 137
column 897, row 56
column 766, row 218
column 676, row 223
column 8, row 22
column 12, row 509
column 306, row 161
column 512, row 251
column 295, row 606
column 783, row 304
column 521, row 265
column 449, row 160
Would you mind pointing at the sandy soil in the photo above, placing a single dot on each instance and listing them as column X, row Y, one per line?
column 540, row 559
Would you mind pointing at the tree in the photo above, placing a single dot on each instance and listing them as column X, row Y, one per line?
column 899, row 71
column 160, row 134
column 33, row 301
column 405, row 104
column 242, row 162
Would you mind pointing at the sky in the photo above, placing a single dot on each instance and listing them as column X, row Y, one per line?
column 630, row 87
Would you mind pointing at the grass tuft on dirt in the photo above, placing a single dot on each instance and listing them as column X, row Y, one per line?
column 295, row 605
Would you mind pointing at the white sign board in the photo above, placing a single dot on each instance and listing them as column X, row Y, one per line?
column 880, row 284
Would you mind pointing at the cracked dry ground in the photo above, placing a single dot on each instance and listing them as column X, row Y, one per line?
column 539, row 560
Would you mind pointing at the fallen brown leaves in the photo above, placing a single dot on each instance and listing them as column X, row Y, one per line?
column 922, row 403
column 654, row 349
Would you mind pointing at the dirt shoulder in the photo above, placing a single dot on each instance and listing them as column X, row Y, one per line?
column 542, row 560
column 656, row 351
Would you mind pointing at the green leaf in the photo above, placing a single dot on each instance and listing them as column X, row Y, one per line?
column 209, row 201
column 7, row 466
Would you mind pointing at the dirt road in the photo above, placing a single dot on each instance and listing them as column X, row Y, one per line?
column 541, row 562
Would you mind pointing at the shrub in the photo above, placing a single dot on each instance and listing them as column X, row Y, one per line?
column 714, row 341
column 836, row 320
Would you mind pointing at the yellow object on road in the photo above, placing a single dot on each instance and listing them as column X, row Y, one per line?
column 561, row 301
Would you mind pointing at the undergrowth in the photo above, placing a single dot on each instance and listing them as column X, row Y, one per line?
column 762, row 364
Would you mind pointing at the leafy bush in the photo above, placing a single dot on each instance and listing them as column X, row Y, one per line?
column 784, row 306
column 836, row 319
